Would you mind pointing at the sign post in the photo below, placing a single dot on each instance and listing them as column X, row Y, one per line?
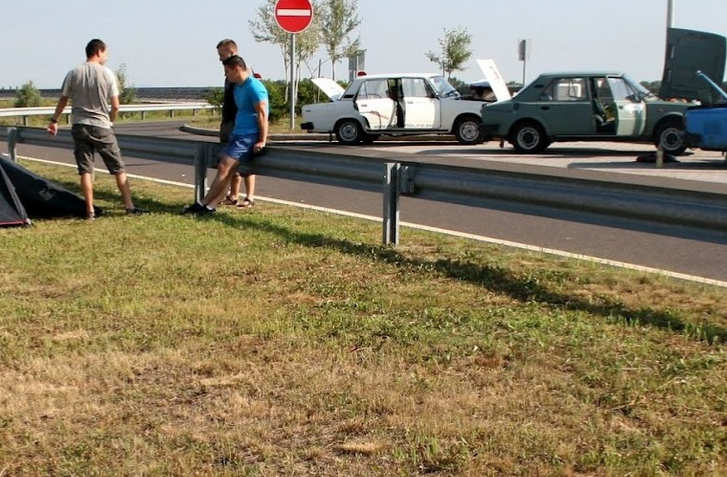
column 293, row 16
column 523, row 55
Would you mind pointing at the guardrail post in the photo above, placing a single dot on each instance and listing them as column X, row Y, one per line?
column 660, row 156
column 200, row 172
column 391, row 203
column 12, row 144
column 26, row 119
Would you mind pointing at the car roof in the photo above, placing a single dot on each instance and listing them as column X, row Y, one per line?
column 583, row 73
column 398, row 75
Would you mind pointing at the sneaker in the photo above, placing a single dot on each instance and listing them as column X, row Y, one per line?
column 205, row 211
column 135, row 211
column 193, row 209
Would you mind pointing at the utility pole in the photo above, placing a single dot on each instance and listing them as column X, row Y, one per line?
column 670, row 13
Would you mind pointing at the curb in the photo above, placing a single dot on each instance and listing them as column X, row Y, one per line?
column 321, row 136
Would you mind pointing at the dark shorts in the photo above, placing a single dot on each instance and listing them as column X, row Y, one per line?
column 91, row 139
column 226, row 131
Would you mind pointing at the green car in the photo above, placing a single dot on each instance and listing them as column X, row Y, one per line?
column 580, row 106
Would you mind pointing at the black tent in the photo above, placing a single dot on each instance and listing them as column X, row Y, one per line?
column 36, row 196
column 12, row 212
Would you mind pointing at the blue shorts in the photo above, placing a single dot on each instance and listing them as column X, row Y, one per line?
column 240, row 148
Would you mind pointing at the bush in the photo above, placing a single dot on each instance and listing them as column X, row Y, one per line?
column 127, row 92
column 216, row 97
column 28, row 96
column 278, row 101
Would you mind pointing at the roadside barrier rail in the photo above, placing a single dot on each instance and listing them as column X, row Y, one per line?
column 26, row 113
column 534, row 193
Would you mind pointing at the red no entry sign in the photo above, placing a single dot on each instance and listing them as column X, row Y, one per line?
column 293, row 16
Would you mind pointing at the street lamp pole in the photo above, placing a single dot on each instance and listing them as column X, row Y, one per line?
column 670, row 14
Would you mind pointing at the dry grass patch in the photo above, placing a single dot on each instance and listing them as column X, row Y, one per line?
column 288, row 342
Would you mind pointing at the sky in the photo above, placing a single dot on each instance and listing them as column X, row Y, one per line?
column 172, row 42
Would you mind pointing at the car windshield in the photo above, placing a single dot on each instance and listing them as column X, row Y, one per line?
column 351, row 89
column 442, row 87
column 640, row 90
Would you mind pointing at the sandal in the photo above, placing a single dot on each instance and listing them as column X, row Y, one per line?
column 245, row 203
column 229, row 201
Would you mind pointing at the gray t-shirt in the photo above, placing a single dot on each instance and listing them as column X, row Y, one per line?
column 90, row 86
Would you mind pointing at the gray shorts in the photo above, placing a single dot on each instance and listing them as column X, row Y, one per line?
column 91, row 139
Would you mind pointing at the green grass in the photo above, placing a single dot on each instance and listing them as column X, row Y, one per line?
column 279, row 341
column 212, row 121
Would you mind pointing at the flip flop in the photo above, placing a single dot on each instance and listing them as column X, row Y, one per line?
column 245, row 203
column 229, row 201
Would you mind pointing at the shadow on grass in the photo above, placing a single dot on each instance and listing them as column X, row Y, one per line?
column 496, row 279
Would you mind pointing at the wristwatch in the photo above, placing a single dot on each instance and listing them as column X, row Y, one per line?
column 53, row 120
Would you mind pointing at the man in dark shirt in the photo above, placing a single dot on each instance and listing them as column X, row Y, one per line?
column 225, row 49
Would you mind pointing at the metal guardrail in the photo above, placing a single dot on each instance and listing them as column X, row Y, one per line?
column 534, row 193
column 25, row 113
column 175, row 93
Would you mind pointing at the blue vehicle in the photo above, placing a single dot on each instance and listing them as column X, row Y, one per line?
column 706, row 127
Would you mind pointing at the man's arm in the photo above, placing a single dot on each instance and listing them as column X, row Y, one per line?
column 262, row 121
column 53, row 126
column 114, row 108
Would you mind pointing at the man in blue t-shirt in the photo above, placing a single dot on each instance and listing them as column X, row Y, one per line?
column 248, row 136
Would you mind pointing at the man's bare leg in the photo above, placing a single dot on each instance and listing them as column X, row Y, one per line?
column 87, row 190
column 235, row 184
column 250, row 187
column 221, row 182
column 122, row 182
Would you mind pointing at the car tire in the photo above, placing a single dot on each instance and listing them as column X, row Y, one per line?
column 349, row 132
column 370, row 138
column 467, row 130
column 529, row 137
column 670, row 136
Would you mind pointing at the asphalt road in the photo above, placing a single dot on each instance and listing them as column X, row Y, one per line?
column 665, row 248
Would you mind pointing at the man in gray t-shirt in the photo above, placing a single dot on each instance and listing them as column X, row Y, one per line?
column 91, row 87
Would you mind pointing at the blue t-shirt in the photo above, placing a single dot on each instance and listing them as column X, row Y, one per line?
column 247, row 95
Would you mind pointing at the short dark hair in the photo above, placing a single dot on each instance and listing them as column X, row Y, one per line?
column 227, row 42
column 94, row 46
column 235, row 60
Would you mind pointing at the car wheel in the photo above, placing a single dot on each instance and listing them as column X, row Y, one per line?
column 467, row 130
column 370, row 138
column 349, row 132
column 670, row 136
column 529, row 137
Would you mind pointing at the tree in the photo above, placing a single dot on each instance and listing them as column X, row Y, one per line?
column 127, row 92
column 338, row 19
column 27, row 96
column 455, row 51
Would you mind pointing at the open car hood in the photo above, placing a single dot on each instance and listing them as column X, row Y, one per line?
column 689, row 51
column 493, row 76
column 329, row 87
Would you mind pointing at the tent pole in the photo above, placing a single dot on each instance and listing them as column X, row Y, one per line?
column 12, row 143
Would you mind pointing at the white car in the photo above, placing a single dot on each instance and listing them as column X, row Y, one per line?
column 394, row 104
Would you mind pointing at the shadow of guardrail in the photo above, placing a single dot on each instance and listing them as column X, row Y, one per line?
column 590, row 199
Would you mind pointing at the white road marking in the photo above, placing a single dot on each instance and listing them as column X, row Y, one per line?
column 454, row 233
